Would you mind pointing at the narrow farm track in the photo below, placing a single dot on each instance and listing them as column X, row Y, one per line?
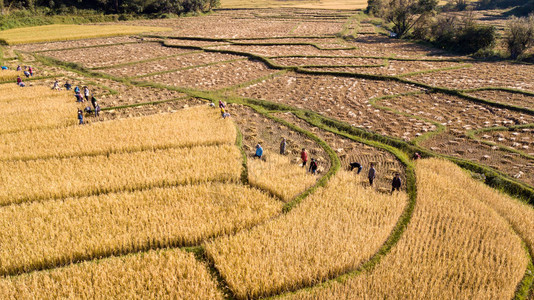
column 250, row 64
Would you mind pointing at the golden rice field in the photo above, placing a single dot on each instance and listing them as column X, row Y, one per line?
column 65, row 32
column 179, row 129
column 8, row 75
column 57, row 232
column 455, row 247
column 34, row 107
column 278, row 175
column 171, row 274
column 331, row 232
column 24, row 181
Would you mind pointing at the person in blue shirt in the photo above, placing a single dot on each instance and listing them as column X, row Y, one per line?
column 76, row 90
column 80, row 116
column 259, row 151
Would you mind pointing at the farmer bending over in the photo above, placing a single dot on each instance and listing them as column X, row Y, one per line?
column 354, row 165
column 259, row 151
column 396, row 183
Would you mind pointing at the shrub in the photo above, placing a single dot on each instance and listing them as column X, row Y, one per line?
column 462, row 36
column 519, row 35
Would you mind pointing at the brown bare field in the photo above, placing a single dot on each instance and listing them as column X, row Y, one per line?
column 315, row 61
column 346, row 99
column 173, row 63
column 315, row 241
column 75, row 44
column 519, row 139
column 213, row 77
column 283, row 50
column 393, row 67
column 517, row 76
column 453, row 241
column 509, row 163
column 195, row 43
column 322, row 4
column 459, row 115
column 113, row 55
column 505, row 97
column 171, row 273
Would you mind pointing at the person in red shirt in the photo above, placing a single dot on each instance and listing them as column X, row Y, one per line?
column 304, row 157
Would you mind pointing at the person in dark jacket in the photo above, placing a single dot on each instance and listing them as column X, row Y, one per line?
column 313, row 166
column 372, row 174
column 283, row 145
column 396, row 183
column 354, row 165
column 93, row 101
column 67, row 86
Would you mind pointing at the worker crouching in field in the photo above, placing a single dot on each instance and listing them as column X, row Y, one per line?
column 259, row 151
column 313, row 166
column 354, row 165
column 396, row 183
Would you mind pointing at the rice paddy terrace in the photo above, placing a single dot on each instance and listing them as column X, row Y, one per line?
column 160, row 197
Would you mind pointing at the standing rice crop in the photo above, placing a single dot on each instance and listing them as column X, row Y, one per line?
column 170, row 274
column 80, row 176
column 455, row 247
column 189, row 127
column 60, row 231
column 279, row 176
column 333, row 231
column 34, row 107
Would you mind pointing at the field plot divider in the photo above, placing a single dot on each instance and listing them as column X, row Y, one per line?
column 200, row 255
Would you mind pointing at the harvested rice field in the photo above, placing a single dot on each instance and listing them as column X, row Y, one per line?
column 115, row 54
column 213, row 77
column 162, row 196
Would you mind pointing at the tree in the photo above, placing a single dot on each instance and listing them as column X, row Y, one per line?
column 405, row 14
column 519, row 35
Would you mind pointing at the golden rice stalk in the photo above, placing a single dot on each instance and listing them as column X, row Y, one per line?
column 331, row 232
column 455, row 247
column 80, row 176
column 279, row 176
column 65, row 32
column 189, row 127
column 34, row 107
column 7, row 75
column 163, row 274
column 57, row 232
